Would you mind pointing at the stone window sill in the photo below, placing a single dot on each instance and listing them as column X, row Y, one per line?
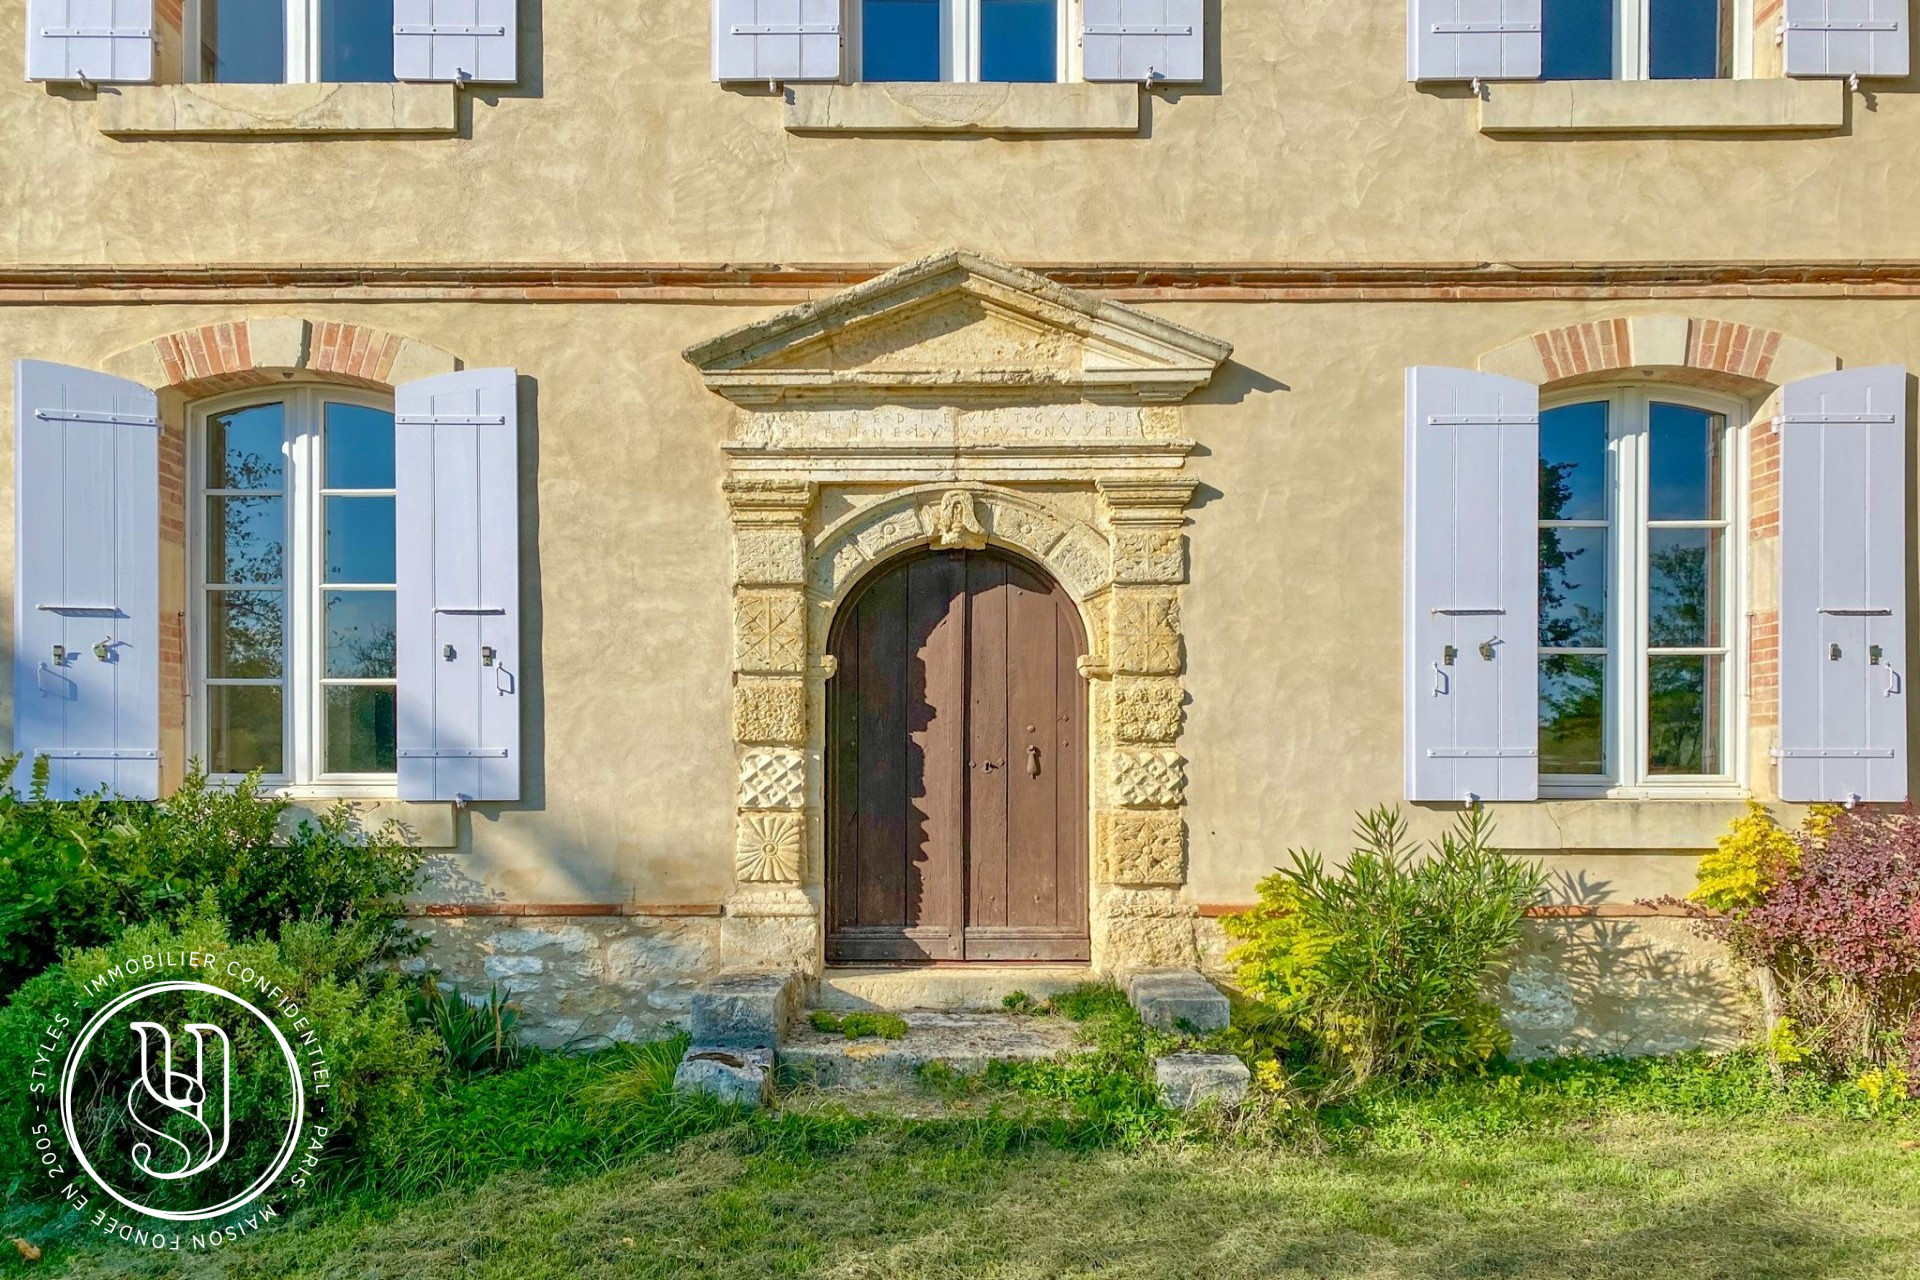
column 1663, row 106
column 963, row 108
column 278, row 110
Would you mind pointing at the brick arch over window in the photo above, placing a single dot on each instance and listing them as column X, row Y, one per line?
column 1745, row 359
column 232, row 355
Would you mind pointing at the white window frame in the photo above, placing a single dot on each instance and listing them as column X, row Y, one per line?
column 960, row 42
column 303, row 42
column 304, row 681
column 1632, row 47
column 1624, row 736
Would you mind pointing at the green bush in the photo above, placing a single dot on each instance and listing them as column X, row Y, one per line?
column 1380, row 968
column 75, row 873
column 382, row 1070
column 478, row 1035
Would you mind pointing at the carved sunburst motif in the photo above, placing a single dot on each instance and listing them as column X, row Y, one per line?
column 769, row 848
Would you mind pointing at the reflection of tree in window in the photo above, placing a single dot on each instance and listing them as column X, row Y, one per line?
column 1572, row 686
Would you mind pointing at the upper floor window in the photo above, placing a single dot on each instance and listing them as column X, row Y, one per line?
column 1637, row 591
column 290, row 41
column 1636, row 39
column 294, row 628
column 962, row 40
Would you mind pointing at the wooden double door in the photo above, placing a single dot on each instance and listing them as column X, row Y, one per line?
column 956, row 765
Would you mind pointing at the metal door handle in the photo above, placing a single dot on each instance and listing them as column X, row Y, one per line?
column 1033, row 762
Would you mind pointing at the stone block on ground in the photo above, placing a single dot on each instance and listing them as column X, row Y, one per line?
column 1178, row 1000
column 1187, row 1080
column 743, row 1076
column 743, row 1010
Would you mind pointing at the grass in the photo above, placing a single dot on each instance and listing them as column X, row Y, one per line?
column 587, row 1167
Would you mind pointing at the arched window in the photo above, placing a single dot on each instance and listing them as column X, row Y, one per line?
column 962, row 40
column 292, row 570
column 1639, row 589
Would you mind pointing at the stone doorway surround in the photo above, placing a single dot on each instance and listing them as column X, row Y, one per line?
column 959, row 402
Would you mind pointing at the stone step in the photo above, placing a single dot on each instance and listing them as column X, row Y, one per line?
column 955, row 988
column 965, row 1042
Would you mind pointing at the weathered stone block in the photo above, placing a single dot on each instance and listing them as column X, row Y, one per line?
column 1178, row 1000
column 1187, row 1080
column 742, row 1076
column 743, row 1011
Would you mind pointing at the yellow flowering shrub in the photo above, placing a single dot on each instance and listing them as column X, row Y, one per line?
column 1746, row 862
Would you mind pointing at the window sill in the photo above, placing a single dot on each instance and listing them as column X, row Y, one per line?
column 1663, row 106
column 278, row 110
column 963, row 108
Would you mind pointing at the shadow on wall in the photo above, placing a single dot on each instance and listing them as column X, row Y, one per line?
column 1612, row 985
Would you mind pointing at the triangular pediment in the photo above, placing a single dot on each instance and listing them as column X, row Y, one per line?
column 959, row 325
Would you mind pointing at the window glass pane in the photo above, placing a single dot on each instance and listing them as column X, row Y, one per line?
column 246, row 448
column 1573, row 462
column 360, row 635
column 1573, row 693
column 1573, row 588
column 243, row 728
column 246, row 634
column 360, row 735
column 1683, row 714
column 356, row 40
column 900, row 40
column 359, row 539
column 359, row 447
column 243, row 41
column 1576, row 38
column 246, row 540
column 1683, row 39
column 1683, row 481
column 1018, row 40
column 1683, row 588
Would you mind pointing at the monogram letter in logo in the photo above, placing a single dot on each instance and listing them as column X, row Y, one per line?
column 163, row 1089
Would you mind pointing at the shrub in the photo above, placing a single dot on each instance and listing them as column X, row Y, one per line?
column 1746, row 862
column 1382, row 966
column 75, row 873
column 381, row 1069
column 478, row 1034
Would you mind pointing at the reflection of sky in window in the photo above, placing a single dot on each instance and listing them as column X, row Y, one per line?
column 359, row 447
column 356, row 40
column 900, row 40
column 246, row 448
column 360, row 539
column 244, row 41
column 1683, row 39
column 1573, row 457
column 1680, row 468
column 1576, row 40
column 1017, row 40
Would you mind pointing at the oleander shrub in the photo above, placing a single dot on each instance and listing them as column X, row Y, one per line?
column 1380, row 968
column 76, row 873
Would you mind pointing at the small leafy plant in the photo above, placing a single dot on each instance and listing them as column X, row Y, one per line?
column 1746, row 863
column 859, row 1026
column 1380, row 968
column 479, row 1032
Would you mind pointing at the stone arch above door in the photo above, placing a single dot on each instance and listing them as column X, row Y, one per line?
column 959, row 402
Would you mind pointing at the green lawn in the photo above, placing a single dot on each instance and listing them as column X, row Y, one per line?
column 1640, row 1196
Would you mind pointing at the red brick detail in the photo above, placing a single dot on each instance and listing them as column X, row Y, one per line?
column 1763, row 522
column 1584, row 348
column 217, row 358
column 173, row 534
column 562, row 910
column 1739, row 349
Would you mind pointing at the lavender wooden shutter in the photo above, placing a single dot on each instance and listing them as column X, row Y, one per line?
column 105, row 41
column 1473, row 39
column 456, row 447
column 1473, row 462
column 474, row 41
column 86, row 632
column 1843, row 605
column 770, row 40
column 1144, row 40
column 1846, row 37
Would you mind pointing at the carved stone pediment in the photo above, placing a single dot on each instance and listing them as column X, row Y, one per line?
column 959, row 326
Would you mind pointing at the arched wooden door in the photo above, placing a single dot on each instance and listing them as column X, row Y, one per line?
column 956, row 765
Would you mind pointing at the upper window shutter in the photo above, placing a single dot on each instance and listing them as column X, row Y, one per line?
column 463, row 40
column 1144, row 40
column 456, row 453
column 86, row 630
column 1845, row 37
column 771, row 40
column 1843, row 606
column 1473, row 39
column 105, row 41
column 1472, row 693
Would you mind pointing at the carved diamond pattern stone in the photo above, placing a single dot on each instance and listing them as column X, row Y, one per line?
column 1146, row 633
column 1149, row 779
column 769, row 849
column 1147, row 848
column 1146, row 710
column 769, row 630
column 769, row 557
column 770, row 711
column 772, row 779
column 1149, row 555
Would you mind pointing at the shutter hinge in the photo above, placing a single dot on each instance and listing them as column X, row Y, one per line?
column 1856, row 613
column 786, row 28
column 452, row 753
column 473, row 613
column 1832, row 420
column 96, row 753
column 1483, row 419
column 98, row 419
column 1831, row 753
column 1484, row 28
column 1481, row 753
column 97, row 33
column 445, row 29
column 1837, row 25
column 450, row 420
column 1126, row 29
